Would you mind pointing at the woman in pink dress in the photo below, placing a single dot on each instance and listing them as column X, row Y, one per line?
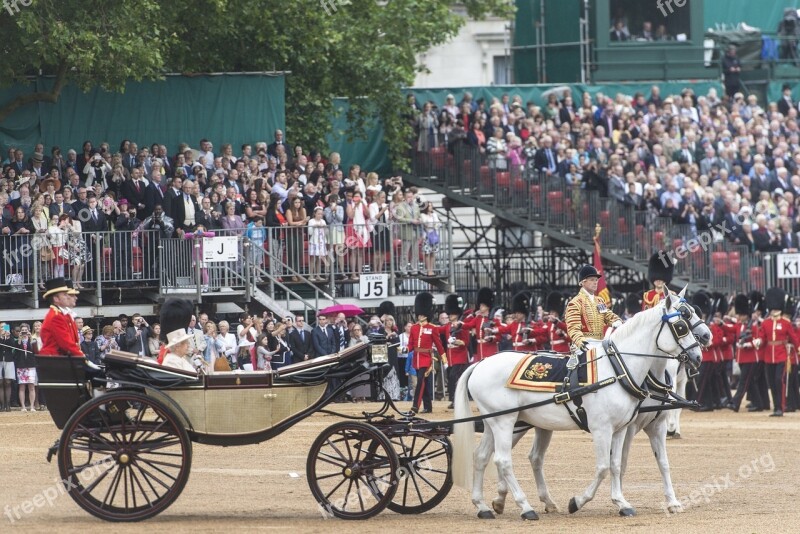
column 357, row 233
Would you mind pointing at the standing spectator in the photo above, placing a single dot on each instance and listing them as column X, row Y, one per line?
column 323, row 338
column 276, row 222
column 215, row 347
column 153, row 340
column 731, row 70
column 41, row 242
column 391, row 382
column 89, row 346
column 358, row 233
column 247, row 334
column 229, row 340
column 107, row 342
column 334, row 218
column 427, row 126
column 300, row 341
column 7, row 370
column 497, row 149
column 379, row 218
column 431, row 226
column 407, row 214
column 21, row 229
column 317, row 245
column 296, row 219
column 25, row 363
column 264, row 352
column 257, row 235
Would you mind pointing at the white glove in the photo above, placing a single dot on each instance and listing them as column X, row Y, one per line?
column 616, row 324
column 757, row 342
column 91, row 365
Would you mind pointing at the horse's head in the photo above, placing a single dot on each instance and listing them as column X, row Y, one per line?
column 684, row 333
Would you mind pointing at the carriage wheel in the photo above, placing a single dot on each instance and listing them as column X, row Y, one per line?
column 425, row 477
column 352, row 470
column 124, row 456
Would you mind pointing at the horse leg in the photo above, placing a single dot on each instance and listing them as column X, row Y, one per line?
column 502, row 458
column 631, row 431
column 617, row 446
column 481, row 459
column 602, row 453
column 657, row 432
column 499, row 502
column 674, row 416
column 540, row 443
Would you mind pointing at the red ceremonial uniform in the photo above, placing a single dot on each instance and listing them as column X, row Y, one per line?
column 423, row 337
column 520, row 339
column 458, row 354
column 713, row 352
column 486, row 347
column 559, row 339
column 729, row 339
column 651, row 299
column 59, row 335
column 777, row 333
column 795, row 350
column 746, row 352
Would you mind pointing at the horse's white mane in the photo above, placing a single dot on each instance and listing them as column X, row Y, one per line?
column 638, row 320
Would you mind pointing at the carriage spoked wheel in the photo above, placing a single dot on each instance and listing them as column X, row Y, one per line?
column 425, row 477
column 124, row 456
column 352, row 470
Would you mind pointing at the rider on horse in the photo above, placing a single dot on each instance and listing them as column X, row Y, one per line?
column 587, row 315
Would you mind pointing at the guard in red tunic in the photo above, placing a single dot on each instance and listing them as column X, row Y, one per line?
column 481, row 325
column 748, row 340
column 778, row 334
column 792, row 385
column 59, row 335
column 724, row 367
column 708, row 389
column 659, row 273
column 424, row 336
column 555, row 325
column 457, row 343
column 519, row 329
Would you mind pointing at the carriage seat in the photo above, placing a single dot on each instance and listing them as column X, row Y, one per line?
column 318, row 368
column 125, row 365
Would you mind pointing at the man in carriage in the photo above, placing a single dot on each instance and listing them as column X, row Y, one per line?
column 660, row 275
column 587, row 315
column 424, row 336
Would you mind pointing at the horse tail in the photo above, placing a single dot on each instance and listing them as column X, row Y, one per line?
column 463, row 434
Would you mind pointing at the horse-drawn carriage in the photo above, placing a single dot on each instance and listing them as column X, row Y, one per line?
column 125, row 454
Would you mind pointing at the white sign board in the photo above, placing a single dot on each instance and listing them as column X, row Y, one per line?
column 374, row 286
column 789, row 265
column 220, row 249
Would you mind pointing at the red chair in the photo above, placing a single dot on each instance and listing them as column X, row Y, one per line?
column 719, row 262
column 735, row 265
column 639, row 233
column 519, row 185
column 438, row 158
column 622, row 226
column 756, row 278
column 677, row 243
column 138, row 260
column 658, row 240
column 486, row 176
column 107, row 262
column 555, row 201
column 604, row 219
column 503, row 179
column 535, row 192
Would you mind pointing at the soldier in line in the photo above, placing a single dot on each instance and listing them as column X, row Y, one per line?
column 660, row 276
column 748, row 341
column 523, row 336
column 423, row 338
column 481, row 325
column 708, row 388
column 457, row 339
column 777, row 334
column 556, row 328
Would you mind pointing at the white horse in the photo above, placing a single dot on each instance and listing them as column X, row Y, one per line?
column 609, row 410
column 674, row 416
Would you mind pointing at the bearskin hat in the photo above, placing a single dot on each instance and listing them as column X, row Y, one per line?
column 423, row 305
column 791, row 305
column 775, row 299
column 176, row 314
column 386, row 308
column 633, row 303
column 756, row 301
column 702, row 300
column 741, row 305
column 720, row 303
column 453, row 305
column 555, row 303
column 520, row 303
column 486, row 296
column 660, row 268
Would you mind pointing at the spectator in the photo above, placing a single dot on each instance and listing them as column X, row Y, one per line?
column 497, row 149
column 296, row 219
column 108, row 341
column 89, row 346
column 7, row 370
column 153, row 340
column 431, row 226
column 731, row 69
column 357, row 232
column 407, row 214
column 25, row 362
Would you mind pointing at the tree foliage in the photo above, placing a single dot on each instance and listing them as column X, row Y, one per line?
column 359, row 49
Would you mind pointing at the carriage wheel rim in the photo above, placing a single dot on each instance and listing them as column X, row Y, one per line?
column 137, row 460
column 425, row 473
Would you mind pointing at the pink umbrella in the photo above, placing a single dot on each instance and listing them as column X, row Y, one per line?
column 349, row 310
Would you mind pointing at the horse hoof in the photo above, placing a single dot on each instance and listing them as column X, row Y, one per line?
column 573, row 506
column 486, row 514
column 498, row 507
column 530, row 515
column 670, row 433
column 551, row 509
column 675, row 509
column 627, row 512
column 677, row 435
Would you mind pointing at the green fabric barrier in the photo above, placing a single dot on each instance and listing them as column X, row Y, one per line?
column 226, row 108
column 762, row 15
column 371, row 152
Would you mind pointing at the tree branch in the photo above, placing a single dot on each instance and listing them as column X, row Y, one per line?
column 40, row 96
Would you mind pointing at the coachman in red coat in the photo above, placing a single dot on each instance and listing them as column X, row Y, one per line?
column 59, row 335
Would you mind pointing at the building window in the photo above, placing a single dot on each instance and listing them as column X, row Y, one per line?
column 502, row 71
column 637, row 21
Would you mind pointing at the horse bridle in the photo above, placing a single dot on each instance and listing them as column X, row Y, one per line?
column 680, row 329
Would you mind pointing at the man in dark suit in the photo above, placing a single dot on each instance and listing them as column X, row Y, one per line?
column 546, row 160
column 618, row 33
column 339, row 325
column 272, row 148
column 153, row 194
column 134, row 189
column 95, row 219
column 786, row 103
column 300, row 341
column 171, row 194
column 323, row 339
column 185, row 209
column 59, row 206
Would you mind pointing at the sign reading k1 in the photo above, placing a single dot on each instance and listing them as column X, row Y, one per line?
column 789, row 265
column 374, row 286
column 220, row 249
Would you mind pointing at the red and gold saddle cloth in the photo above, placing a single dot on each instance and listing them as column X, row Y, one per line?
column 544, row 372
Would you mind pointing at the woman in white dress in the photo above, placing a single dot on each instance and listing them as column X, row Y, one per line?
column 317, row 244
column 432, row 228
column 178, row 355
column 229, row 341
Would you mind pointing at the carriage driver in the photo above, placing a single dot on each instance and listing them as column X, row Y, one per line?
column 59, row 331
column 587, row 315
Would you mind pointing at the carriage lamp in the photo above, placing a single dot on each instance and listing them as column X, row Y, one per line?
column 380, row 353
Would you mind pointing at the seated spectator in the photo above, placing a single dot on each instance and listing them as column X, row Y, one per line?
column 618, row 33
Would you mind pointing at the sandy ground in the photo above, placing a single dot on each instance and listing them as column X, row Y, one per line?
column 737, row 472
